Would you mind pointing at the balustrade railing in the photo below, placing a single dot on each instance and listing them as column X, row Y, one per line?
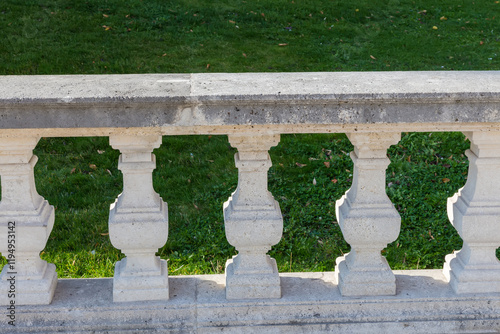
column 253, row 110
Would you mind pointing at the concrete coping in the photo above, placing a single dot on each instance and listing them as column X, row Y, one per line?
column 83, row 105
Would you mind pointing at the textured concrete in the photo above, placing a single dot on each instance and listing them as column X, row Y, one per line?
column 253, row 109
column 228, row 103
column 474, row 211
column 138, row 223
column 311, row 303
column 26, row 220
column 253, row 222
column 368, row 219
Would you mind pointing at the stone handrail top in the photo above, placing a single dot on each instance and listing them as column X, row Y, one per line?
column 67, row 105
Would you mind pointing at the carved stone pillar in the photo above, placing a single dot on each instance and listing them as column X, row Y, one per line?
column 368, row 219
column 253, row 222
column 26, row 220
column 474, row 211
column 138, row 223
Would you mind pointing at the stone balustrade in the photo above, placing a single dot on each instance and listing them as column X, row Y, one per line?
column 362, row 295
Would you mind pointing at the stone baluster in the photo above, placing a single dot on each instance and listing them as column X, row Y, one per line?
column 368, row 219
column 26, row 220
column 474, row 211
column 253, row 222
column 138, row 223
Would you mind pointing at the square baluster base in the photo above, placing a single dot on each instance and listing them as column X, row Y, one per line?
column 252, row 286
column 471, row 278
column 140, row 287
column 31, row 291
column 364, row 282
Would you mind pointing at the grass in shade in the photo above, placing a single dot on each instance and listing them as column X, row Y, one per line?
column 196, row 174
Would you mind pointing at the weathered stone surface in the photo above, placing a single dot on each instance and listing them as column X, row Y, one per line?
column 138, row 223
column 310, row 303
column 253, row 222
column 474, row 211
column 253, row 108
column 228, row 103
column 26, row 220
column 368, row 219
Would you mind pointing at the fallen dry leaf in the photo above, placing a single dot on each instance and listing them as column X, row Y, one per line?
column 105, row 15
column 446, row 180
column 283, row 44
column 100, row 151
column 327, row 164
column 73, row 170
column 94, row 167
column 300, row 165
column 372, row 57
column 335, row 180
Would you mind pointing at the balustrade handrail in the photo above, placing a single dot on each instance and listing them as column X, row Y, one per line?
column 224, row 103
column 254, row 109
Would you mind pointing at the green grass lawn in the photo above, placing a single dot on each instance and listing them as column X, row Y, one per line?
column 196, row 174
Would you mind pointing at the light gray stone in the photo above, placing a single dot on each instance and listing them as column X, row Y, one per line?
column 368, row 219
column 260, row 102
column 26, row 220
column 253, row 222
column 253, row 109
column 474, row 211
column 138, row 223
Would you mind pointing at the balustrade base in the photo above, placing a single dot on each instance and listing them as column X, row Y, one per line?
column 465, row 278
column 29, row 291
column 252, row 286
column 140, row 287
column 310, row 303
column 364, row 282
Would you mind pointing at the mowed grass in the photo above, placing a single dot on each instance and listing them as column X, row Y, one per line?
column 196, row 174
column 139, row 36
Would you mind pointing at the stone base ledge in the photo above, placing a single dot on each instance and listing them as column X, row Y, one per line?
column 310, row 303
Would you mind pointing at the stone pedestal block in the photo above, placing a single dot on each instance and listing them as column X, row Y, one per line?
column 138, row 223
column 368, row 219
column 26, row 220
column 474, row 211
column 253, row 222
